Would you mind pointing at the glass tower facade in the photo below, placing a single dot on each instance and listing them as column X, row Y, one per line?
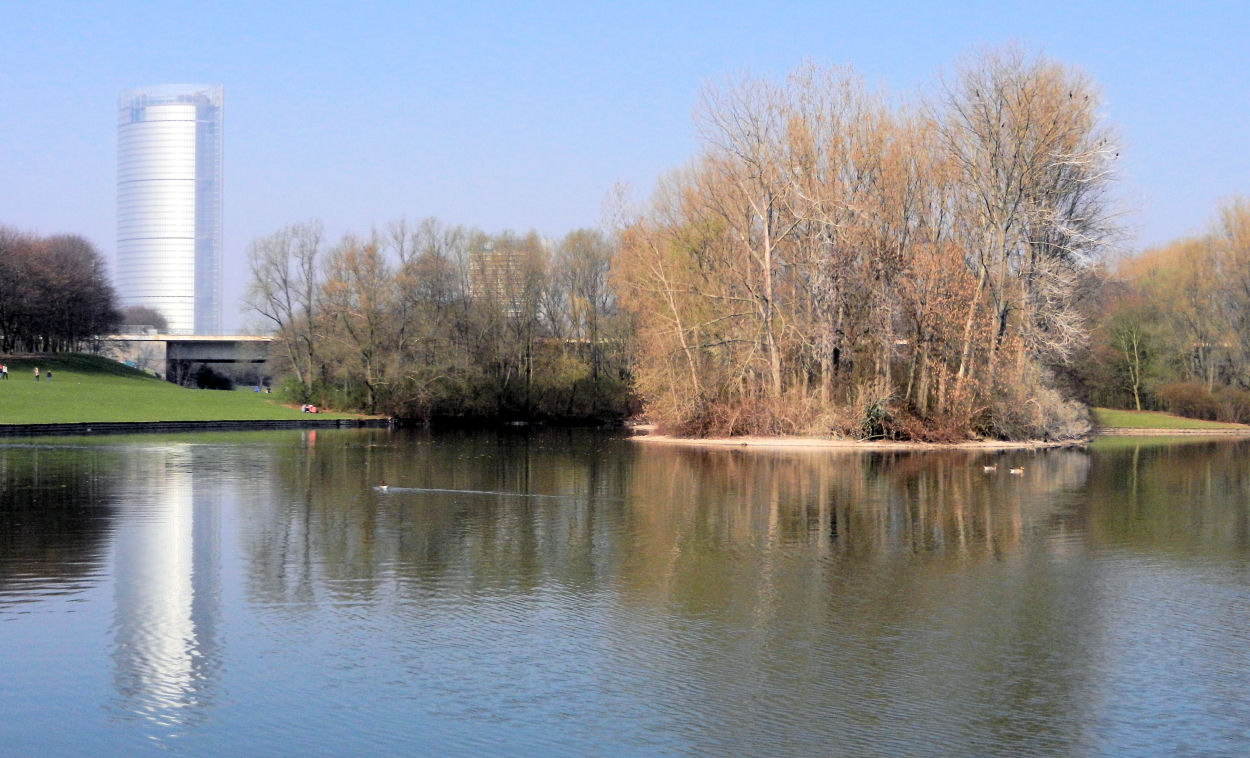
column 169, row 204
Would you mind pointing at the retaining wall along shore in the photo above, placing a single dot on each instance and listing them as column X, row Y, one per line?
column 144, row 427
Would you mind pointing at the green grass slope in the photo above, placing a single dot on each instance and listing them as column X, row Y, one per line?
column 1111, row 418
column 88, row 388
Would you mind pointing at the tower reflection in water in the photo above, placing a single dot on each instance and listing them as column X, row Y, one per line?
column 167, row 577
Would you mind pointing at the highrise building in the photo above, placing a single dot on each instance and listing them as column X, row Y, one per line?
column 169, row 204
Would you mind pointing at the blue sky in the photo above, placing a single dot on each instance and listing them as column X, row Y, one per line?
column 523, row 116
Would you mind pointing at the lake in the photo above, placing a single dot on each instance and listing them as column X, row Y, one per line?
column 578, row 593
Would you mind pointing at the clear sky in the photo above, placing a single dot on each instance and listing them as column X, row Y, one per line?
column 524, row 115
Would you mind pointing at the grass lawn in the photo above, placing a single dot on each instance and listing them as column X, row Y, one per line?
column 1108, row 417
column 88, row 388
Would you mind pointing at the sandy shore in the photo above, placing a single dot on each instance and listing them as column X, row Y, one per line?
column 647, row 434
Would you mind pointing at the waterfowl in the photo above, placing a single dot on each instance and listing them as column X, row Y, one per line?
column 1017, row 471
column 382, row 485
column 989, row 469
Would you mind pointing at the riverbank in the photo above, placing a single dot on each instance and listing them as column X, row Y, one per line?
column 1124, row 431
column 642, row 434
column 1148, row 424
column 83, row 394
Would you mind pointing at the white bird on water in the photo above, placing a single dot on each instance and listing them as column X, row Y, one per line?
column 1017, row 471
column 382, row 485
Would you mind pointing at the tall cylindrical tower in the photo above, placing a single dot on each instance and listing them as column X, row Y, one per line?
column 169, row 204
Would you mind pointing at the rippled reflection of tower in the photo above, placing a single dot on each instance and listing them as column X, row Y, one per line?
column 169, row 204
column 167, row 572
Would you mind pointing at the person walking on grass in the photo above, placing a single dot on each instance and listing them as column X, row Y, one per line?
column 36, row 373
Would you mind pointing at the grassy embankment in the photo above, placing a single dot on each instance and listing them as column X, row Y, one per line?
column 88, row 388
column 1111, row 418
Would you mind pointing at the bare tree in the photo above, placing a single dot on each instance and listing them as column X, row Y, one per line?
column 284, row 292
column 892, row 256
column 1033, row 163
column 142, row 315
column 358, row 303
column 583, row 258
column 742, row 183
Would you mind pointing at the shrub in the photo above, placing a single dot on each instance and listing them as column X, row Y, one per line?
column 293, row 390
column 207, row 379
column 1232, row 405
column 872, row 403
column 908, row 426
column 1032, row 408
column 1188, row 399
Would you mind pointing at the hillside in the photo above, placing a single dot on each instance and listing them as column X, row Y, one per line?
column 89, row 388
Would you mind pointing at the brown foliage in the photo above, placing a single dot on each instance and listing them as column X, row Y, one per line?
column 54, row 292
column 878, row 270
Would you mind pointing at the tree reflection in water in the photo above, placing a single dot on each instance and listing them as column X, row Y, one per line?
column 654, row 599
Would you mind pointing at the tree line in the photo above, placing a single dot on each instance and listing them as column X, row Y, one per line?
column 429, row 320
column 55, row 293
column 830, row 263
column 1173, row 325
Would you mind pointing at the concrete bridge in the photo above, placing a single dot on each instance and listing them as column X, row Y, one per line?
column 243, row 359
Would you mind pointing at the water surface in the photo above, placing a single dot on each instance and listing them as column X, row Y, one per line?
column 574, row 593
